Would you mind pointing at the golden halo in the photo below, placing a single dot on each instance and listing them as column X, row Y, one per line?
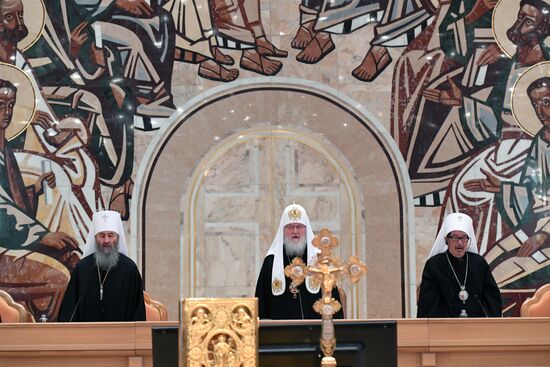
column 25, row 101
column 505, row 15
column 34, row 14
column 522, row 110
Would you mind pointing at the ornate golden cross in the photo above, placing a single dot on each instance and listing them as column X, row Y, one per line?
column 326, row 271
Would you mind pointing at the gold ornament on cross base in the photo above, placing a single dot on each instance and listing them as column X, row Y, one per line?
column 326, row 270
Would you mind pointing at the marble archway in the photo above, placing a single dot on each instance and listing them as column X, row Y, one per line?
column 212, row 185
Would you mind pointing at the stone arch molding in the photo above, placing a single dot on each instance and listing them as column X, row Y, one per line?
column 310, row 127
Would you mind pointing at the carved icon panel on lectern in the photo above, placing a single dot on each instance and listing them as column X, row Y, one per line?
column 219, row 332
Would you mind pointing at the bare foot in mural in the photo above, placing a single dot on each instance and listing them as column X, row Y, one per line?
column 253, row 61
column 222, row 58
column 159, row 95
column 212, row 70
column 266, row 48
column 120, row 199
column 160, row 104
column 320, row 46
column 303, row 36
column 191, row 57
column 375, row 61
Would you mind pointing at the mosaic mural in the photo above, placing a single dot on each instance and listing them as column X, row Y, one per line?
column 469, row 110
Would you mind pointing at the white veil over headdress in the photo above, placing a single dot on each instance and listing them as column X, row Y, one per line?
column 293, row 213
column 102, row 221
column 455, row 222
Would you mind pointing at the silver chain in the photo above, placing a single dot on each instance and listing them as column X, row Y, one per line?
column 101, row 282
column 453, row 270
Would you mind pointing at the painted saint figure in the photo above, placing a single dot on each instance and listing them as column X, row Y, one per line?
column 521, row 259
column 471, row 190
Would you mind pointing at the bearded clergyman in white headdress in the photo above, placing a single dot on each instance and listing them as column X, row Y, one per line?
column 279, row 297
column 106, row 284
column 456, row 281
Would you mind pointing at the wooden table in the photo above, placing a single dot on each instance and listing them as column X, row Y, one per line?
column 421, row 343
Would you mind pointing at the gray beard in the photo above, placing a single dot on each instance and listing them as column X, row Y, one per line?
column 294, row 249
column 105, row 261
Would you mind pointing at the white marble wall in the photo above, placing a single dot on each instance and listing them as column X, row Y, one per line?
column 250, row 179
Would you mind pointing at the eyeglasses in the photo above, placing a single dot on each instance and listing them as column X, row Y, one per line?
column 455, row 239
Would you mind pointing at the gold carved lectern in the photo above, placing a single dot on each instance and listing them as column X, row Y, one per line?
column 223, row 332
column 219, row 332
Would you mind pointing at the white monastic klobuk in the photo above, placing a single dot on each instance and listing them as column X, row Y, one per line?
column 455, row 222
column 103, row 221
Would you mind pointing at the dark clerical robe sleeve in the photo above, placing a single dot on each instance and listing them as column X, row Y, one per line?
column 429, row 300
column 490, row 298
column 122, row 293
column 70, row 299
column 263, row 288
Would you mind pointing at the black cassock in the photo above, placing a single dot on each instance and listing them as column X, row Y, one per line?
column 439, row 288
column 285, row 306
column 122, row 293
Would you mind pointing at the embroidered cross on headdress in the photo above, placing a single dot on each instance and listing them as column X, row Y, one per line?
column 294, row 214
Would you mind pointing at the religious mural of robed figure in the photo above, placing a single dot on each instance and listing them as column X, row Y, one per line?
column 521, row 258
column 453, row 118
column 35, row 261
column 481, row 187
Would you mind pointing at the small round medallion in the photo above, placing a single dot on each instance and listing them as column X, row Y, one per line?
column 463, row 295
